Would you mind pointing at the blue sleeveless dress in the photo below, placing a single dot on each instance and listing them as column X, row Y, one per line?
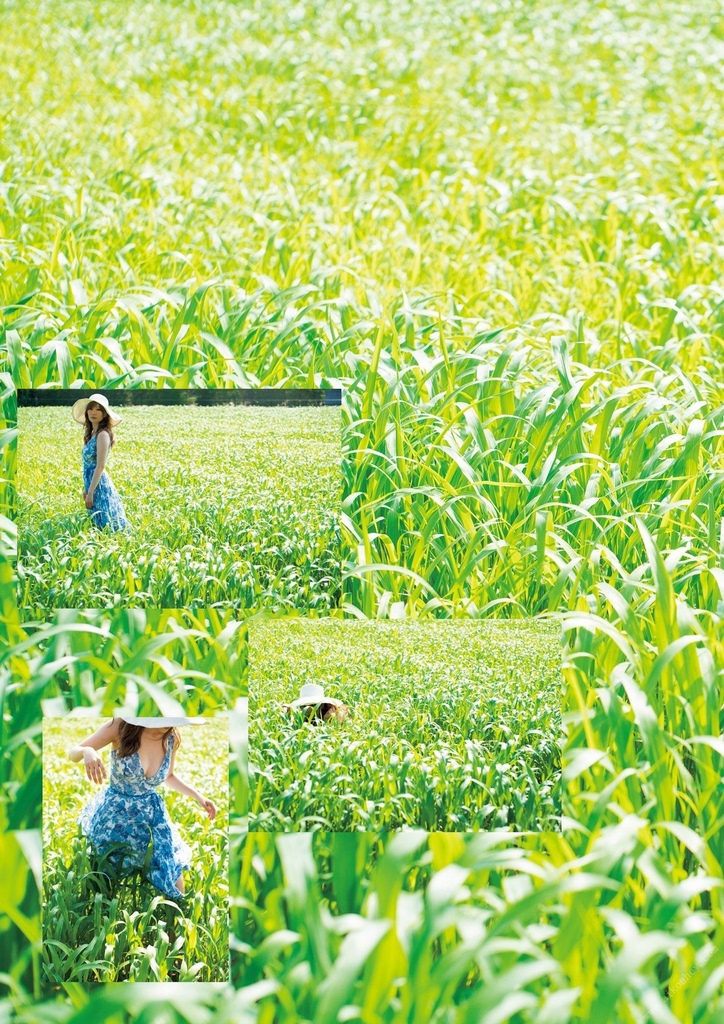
column 107, row 506
column 130, row 810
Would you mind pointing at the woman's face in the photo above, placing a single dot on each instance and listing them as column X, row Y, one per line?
column 320, row 712
column 94, row 413
column 155, row 734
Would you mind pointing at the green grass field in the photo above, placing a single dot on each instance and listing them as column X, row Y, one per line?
column 409, row 927
column 497, row 227
column 97, row 928
column 452, row 726
column 227, row 505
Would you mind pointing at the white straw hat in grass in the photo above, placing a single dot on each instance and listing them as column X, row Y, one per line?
column 158, row 723
column 311, row 694
column 79, row 408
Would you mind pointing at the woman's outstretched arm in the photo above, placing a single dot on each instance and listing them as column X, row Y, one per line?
column 87, row 750
column 174, row 782
column 103, row 444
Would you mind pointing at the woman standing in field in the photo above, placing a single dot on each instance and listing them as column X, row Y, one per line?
column 130, row 810
column 99, row 494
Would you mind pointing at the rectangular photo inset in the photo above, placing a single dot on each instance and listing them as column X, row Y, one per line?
column 175, row 498
column 135, row 848
column 380, row 725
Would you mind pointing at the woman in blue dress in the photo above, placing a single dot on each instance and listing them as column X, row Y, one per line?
column 130, row 809
column 99, row 494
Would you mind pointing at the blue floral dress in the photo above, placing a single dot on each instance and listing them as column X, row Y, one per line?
column 130, row 810
column 107, row 506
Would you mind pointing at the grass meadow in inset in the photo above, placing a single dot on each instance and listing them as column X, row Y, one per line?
column 227, row 505
column 453, row 726
column 97, row 927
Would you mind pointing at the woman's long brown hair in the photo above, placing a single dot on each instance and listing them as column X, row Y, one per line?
column 105, row 424
column 130, row 738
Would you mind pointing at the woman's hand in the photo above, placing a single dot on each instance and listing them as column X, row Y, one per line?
column 94, row 767
column 88, row 499
column 209, row 806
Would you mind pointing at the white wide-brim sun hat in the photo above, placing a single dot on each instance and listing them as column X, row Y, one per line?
column 79, row 408
column 313, row 693
column 159, row 723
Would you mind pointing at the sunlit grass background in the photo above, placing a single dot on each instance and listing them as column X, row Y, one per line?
column 226, row 505
column 452, row 726
column 96, row 928
column 498, row 227
column 509, row 163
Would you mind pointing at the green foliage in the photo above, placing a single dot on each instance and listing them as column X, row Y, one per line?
column 227, row 505
column 498, row 228
column 99, row 928
column 232, row 197
column 462, row 929
column 453, row 726
column 502, row 480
